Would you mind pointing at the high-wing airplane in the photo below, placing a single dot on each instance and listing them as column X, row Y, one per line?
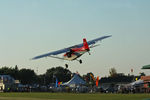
column 73, row 52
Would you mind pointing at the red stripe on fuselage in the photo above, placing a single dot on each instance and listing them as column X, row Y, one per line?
column 78, row 50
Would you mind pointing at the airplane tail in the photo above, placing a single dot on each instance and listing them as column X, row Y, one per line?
column 85, row 45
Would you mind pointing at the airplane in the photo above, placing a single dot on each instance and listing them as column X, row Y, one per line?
column 73, row 52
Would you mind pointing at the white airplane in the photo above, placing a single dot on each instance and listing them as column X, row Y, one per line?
column 73, row 52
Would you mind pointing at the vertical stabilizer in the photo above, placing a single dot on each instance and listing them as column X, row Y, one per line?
column 85, row 44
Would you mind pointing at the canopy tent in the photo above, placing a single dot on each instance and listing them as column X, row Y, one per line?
column 138, row 82
column 146, row 67
column 76, row 80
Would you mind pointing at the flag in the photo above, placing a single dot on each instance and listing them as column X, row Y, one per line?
column 59, row 83
column 97, row 81
column 56, row 82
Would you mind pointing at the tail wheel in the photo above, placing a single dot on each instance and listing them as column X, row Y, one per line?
column 80, row 61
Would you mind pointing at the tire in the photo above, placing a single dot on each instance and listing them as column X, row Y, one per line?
column 66, row 65
column 80, row 61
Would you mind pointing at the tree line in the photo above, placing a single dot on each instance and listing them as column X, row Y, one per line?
column 28, row 76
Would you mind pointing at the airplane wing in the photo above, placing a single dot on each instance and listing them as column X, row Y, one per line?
column 91, row 42
column 52, row 53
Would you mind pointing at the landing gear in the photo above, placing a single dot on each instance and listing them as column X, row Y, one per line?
column 80, row 61
column 89, row 53
column 66, row 66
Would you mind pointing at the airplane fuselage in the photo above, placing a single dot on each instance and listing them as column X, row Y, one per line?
column 75, row 53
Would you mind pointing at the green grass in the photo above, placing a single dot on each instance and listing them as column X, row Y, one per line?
column 71, row 96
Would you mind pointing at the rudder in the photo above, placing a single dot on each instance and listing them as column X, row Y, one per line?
column 85, row 44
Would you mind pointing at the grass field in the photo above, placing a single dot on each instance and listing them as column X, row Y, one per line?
column 70, row 96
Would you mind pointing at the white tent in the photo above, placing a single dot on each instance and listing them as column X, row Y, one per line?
column 138, row 82
column 76, row 80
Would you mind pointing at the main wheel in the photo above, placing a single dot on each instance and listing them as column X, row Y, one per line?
column 80, row 61
column 66, row 66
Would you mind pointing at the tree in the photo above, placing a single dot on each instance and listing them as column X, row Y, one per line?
column 10, row 71
column 27, row 76
column 62, row 74
column 112, row 72
column 41, row 79
column 142, row 74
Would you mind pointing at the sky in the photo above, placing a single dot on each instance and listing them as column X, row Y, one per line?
column 29, row 28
